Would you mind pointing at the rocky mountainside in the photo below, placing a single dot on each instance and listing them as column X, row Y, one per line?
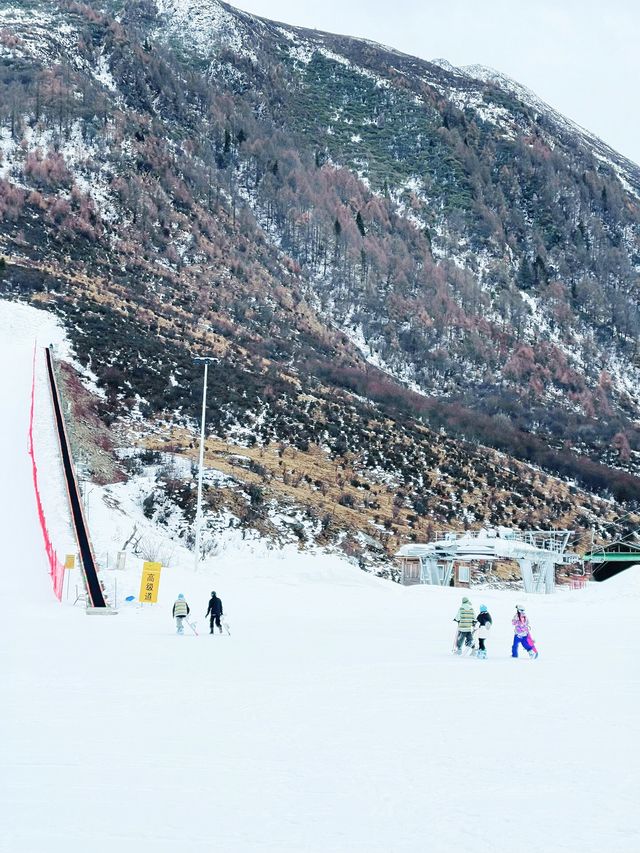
column 398, row 263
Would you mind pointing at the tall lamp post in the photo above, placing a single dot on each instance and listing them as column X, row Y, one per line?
column 206, row 360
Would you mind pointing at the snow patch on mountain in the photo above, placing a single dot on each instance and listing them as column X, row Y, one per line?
column 200, row 26
column 103, row 74
column 495, row 114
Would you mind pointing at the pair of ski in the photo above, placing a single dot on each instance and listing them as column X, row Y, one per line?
column 467, row 651
column 471, row 651
column 224, row 623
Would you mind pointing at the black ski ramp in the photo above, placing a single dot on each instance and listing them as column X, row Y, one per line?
column 88, row 563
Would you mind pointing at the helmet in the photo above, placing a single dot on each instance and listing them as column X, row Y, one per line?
column 212, row 592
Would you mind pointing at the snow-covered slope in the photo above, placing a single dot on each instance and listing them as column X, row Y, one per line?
column 626, row 171
column 333, row 719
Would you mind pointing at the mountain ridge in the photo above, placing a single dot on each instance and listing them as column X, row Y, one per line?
column 323, row 215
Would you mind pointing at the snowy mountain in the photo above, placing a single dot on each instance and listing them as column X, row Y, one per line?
column 398, row 263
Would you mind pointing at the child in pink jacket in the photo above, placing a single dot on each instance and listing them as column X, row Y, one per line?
column 522, row 634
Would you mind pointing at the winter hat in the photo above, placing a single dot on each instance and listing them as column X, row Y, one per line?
column 520, row 609
column 465, row 600
column 181, row 595
column 212, row 592
column 483, row 608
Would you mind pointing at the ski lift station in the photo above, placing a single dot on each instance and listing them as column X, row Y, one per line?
column 537, row 552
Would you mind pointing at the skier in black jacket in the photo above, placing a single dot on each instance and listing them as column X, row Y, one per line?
column 214, row 611
column 484, row 622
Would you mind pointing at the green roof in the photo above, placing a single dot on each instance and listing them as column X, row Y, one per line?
column 612, row 557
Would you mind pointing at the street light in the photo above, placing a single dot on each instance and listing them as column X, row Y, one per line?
column 206, row 360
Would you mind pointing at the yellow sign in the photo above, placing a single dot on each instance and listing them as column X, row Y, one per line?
column 70, row 561
column 150, row 582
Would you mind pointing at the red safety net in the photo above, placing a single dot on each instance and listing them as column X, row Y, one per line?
column 56, row 568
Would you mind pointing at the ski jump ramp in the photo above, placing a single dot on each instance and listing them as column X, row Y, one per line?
column 95, row 592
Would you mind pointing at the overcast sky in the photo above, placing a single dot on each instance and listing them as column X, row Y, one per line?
column 581, row 56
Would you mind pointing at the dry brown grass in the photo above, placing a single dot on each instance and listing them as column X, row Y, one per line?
column 287, row 472
column 286, row 478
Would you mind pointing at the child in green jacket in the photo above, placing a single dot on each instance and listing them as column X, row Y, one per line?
column 465, row 617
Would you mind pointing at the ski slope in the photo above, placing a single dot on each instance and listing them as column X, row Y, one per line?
column 333, row 719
